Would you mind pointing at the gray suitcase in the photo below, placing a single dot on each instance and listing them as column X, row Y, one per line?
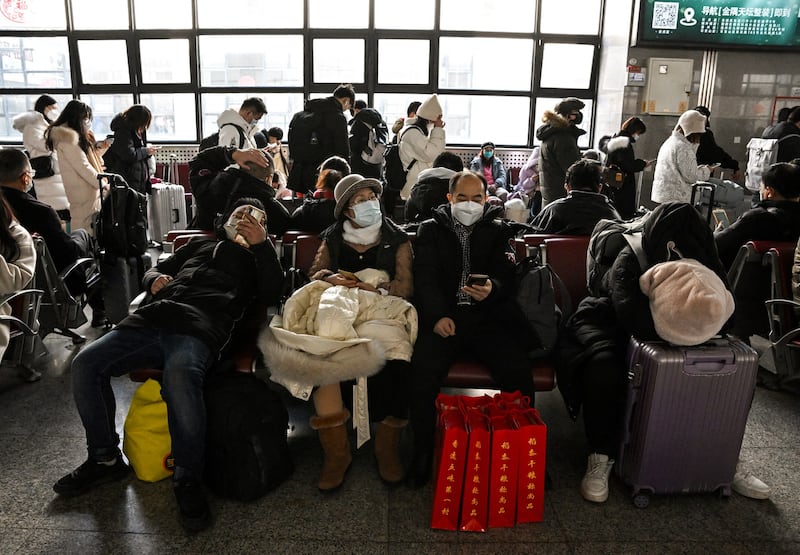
column 166, row 210
column 686, row 413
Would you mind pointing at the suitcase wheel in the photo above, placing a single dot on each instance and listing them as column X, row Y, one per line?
column 641, row 500
column 724, row 492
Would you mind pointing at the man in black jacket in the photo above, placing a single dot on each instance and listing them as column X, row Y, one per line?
column 432, row 186
column 198, row 294
column 462, row 315
column 219, row 176
column 317, row 133
column 583, row 206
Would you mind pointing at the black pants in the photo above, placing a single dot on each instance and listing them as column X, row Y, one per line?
column 604, row 390
column 624, row 199
column 481, row 338
column 388, row 391
column 77, row 281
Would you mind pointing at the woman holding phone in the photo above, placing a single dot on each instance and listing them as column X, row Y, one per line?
column 619, row 150
column 129, row 152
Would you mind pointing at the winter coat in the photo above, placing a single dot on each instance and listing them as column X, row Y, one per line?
column 15, row 275
column 771, row 220
column 216, row 188
column 789, row 147
column 576, row 214
column 49, row 190
column 619, row 151
column 79, row 173
column 214, row 282
column 709, row 152
column 428, row 193
column 676, row 170
column 127, row 155
column 558, row 151
column 438, row 265
column 359, row 137
column 419, row 146
column 498, row 170
column 229, row 135
column 315, row 214
column 529, row 174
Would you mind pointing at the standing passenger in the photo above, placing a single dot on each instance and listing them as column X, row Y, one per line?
column 619, row 149
column 421, row 140
column 129, row 153
column 559, row 148
column 676, row 166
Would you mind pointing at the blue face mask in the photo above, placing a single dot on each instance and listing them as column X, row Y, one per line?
column 488, row 154
column 367, row 213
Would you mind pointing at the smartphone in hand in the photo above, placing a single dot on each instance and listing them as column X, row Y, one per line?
column 477, row 279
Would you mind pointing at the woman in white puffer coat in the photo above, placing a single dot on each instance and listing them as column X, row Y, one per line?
column 71, row 137
column 32, row 125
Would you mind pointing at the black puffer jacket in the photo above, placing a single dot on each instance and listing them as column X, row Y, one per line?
column 558, row 151
column 577, row 214
column 438, row 264
column 315, row 214
column 214, row 283
column 428, row 193
column 359, row 137
column 127, row 155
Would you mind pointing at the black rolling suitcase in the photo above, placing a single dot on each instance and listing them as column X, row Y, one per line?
column 122, row 281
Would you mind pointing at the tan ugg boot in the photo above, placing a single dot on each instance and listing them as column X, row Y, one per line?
column 387, row 449
column 336, row 446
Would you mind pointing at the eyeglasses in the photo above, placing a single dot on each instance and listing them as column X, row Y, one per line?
column 31, row 173
column 357, row 202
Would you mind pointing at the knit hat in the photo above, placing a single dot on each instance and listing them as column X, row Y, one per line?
column 688, row 301
column 348, row 186
column 692, row 121
column 430, row 109
column 569, row 104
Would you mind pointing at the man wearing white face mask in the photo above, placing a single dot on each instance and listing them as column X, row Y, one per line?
column 463, row 281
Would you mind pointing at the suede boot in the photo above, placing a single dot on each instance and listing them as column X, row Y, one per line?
column 336, row 446
column 387, row 449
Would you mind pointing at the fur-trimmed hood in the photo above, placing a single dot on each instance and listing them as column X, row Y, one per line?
column 556, row 123
column 63, row 134
column 28, row 118
column 617, row 143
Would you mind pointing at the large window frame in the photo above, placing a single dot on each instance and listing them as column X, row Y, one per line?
column 367, row 89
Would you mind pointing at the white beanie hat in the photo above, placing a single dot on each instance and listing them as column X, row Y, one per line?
column 692, row 121
column 688, row 301
column 430, row 109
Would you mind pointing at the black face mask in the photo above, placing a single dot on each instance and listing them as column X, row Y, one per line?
column 578, row 118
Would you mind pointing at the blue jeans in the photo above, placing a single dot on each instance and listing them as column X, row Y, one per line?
column 184, row 360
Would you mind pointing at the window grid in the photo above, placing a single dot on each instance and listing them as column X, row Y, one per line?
column 371, row 35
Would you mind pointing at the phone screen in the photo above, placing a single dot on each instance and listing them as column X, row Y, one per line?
column 477, row 279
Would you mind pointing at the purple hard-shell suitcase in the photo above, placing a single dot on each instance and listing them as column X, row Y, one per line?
column 686, row 413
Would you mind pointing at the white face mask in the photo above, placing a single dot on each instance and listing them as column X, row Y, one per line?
column 467, row 212
column 367, row 213
column 53, row 115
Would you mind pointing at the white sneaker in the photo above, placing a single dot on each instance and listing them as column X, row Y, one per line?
column 594, row 486
column 747, row 485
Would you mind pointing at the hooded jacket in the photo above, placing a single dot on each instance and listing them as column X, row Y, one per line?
column 127, row 155
column 416, row 145
column 558, row 151
column 429, row 192
column 49, row 190
column 229, row 135
column 676, row 170
column 79, row 175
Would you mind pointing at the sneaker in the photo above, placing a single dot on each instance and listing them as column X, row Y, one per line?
column 89, row 475
column 747, row 485
column 594, row 486
column 192, row 505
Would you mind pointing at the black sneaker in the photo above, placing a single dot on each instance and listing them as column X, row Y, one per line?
column 192, row 505
column 89, row 475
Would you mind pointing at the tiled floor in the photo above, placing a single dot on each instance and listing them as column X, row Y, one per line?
column 41, row 439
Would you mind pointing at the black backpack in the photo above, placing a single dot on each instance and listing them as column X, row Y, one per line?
column 213, row 140
column 305, row 139
column 394, row 173
column 247, row 454
column 121, row 225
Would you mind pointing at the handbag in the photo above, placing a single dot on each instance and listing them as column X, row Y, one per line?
column 43, row 166
column 147, row 442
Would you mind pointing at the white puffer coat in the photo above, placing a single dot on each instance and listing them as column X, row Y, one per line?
column 15, row 275
column 414, row 145
column 676, row 170
column 49, row 190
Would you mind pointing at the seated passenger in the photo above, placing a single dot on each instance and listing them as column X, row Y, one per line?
column 279, row 186
column 492, row 168
column 17, row 265
column 464, row 237
column 362, row 274
column 432, row 187
column 317, row 211
column 775, row 218
column 528, row 186
column 221, row 175
column 582, row 208
column 197, row 296
column 16, row 178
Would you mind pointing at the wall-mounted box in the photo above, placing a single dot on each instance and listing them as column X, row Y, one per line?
column 669, row 83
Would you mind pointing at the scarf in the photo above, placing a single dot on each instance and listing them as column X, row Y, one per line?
column 361, row 235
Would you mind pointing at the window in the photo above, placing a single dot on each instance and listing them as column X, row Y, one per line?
column 173, row 116
column 104, row 108
column 324, row 14
column 34, row 62
column 567, row 66
column 158, row 14
column 92, row 15
column 33, row 15
column 104, row 62
column 485, row 63
column 518, row 16
column 393, row 106
column 14, row 104
column 409, row 14
column 249, row 14
column 338, row 60
column 165, row 60
column 543, row 104
column 251, row 61
column 557, row 17
column 393, row 57
column 475, row 119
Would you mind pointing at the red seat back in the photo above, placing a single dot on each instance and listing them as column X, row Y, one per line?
column 306, row 247
column 567, row 256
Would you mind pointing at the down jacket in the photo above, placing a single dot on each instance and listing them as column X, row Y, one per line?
column 127, row 155
column 416, row 145
column 15, row 274
column 79, row 173
column 49, row 190
column 558, row 151
column 676, row 170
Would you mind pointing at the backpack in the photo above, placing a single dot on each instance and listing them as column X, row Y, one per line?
column 121, row 226
column 305, row 142
column 761, row 154
column 213, row 140
column 536, row 296
column 608, row 239
column 394, row 173
column 377, row 140
column 613, row 176
column 247, row 454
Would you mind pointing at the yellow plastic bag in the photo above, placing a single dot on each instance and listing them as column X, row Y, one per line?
column 147, row 443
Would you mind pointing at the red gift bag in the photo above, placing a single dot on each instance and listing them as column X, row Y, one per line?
column 531, row 441
column 503, row 474
column 474, row 503
column 511, row 400
column 451, row 451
